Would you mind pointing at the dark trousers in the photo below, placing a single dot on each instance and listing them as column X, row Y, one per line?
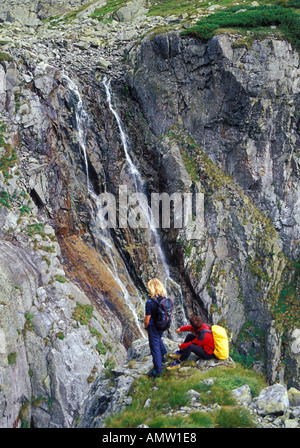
column 157, row 347
column 193, row 348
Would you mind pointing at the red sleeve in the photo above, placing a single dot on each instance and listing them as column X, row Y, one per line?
column 186, row 344
column 186, row 328
column 196, row 340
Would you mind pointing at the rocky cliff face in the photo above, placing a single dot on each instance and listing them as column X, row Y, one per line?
column 210, row 100
column 239, row 104
column 32, row 12
column 214, row 118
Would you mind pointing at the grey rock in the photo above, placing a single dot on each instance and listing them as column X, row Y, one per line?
column 243, row 395
column 272, row 401
column 294, row 397
column 193, row 394
column 174, row 79
column 291, row 424
column 131, row 11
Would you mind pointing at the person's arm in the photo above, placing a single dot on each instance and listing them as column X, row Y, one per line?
column 146, row 321
column 184, row 328
column 148, row 312
column 184, row 345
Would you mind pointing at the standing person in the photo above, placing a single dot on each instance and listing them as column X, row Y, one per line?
column 157, row 348
column 200, row 341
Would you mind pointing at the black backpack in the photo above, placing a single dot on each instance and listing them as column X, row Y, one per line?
column 164, row 313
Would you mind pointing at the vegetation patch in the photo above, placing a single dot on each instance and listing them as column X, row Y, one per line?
column 5, row 57
column 60, row 335
column 170, row 395
column 33, row 229
column 233, row 417
column 12, row 358
column 67, row 17
column 5, row 199
column 106, row 12
column 285, row 306
column 24, row 414
column 167, row 7
column 83, row 313
column 8, row 155
column 255, row 339
column 250, row 17
column 28, row 326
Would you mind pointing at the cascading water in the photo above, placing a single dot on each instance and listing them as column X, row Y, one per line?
column 82, row 120
column 138, row 183
column 103, row 236
column 110, row 253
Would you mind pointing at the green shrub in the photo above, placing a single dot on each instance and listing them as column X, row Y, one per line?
column 293, row 4
column 101, row 348
column 5, row 199
column 83, row 313
column 24, row 210
column 12, row 358
column 60, row 279
column 254, row 17
column 5, row 57
column 60, row 335
column 28, row 324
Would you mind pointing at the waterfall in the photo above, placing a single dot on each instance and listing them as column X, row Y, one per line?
column 109, row 250
column 139, row 187
column 82, row 122
column 104, row 237
column 138, row 181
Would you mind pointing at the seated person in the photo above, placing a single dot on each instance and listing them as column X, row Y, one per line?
column 200, row 341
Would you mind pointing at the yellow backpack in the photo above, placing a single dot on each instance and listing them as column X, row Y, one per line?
column 221, row 350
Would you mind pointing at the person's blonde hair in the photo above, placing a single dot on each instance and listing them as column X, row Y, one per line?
column 156, row 288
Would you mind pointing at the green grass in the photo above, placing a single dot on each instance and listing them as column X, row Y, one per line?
column 5, row 57
column 250, row 18
column 165, row 8
column 234, row 418
column 171, row 394
column 105, row 13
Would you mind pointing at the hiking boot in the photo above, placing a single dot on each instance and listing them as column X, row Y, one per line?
column 153, row 374
column 176, row 355
column 174, row 365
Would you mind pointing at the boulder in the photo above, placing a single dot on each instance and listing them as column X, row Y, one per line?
column 243, row 394
column 131, row 11
column 294, row 397
column 273, row 400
